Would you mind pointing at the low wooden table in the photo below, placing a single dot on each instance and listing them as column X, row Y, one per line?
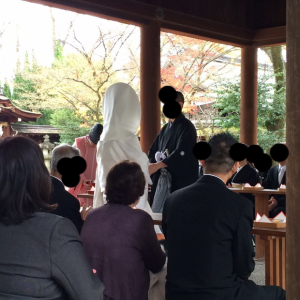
column 86, row 195
column 157, row 218
column 275, row 252
column 261, row 207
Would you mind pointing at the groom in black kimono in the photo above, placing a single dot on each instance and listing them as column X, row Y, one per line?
column 175, row 142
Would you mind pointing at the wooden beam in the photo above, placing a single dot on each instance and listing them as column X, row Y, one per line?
column 198, row 33
column 269, row 36
column 204, row 28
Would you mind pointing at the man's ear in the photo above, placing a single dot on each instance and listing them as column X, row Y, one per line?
column 181, row 104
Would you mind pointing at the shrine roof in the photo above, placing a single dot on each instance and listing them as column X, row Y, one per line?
column 35, row 129
column 11, row 113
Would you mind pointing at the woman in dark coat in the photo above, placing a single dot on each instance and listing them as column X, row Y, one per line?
column 41, row 255
column 120, row 241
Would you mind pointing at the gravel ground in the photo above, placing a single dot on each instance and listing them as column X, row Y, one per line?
column 258, row 276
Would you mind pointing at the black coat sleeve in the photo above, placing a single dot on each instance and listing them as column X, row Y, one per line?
column 243, row 251
column 253, row 178
column 153, row 149
column 267, row 183
column 281, row 200
column 183, row 151
column 155, row 146
column 72, row 211
column 152, row 253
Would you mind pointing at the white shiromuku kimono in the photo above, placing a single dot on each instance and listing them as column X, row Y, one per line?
column 118, row 142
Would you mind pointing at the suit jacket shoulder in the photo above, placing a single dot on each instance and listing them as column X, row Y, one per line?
column 247, row 174
column 68, row 205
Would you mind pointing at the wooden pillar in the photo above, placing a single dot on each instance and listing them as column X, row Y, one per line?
column 248, row 124
column 150, row 83
column 293, row 143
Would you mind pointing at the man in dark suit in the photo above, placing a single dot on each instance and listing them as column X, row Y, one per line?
column 246, row 174
column 275, row 177
column 208, row 234
column 68, row 205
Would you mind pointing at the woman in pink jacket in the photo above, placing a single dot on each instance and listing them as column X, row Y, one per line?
column 87, row 145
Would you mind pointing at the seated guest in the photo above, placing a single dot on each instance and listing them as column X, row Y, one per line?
column 208, row 233
column 262, row 176
column 41, row 254
column 120, row 241
column 275, row 177
column 246, row 173
column 68, row 205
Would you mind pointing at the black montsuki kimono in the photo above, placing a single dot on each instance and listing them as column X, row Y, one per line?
column 179, row 139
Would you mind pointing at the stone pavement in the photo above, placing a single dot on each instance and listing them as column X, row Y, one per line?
column 258, row 276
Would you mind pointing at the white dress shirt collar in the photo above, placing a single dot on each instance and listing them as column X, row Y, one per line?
column 281, row 167
column 213, row 176
column 57, row 178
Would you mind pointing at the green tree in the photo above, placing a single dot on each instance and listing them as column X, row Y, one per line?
column 79, row 80
column 279, row 67
column 70, row 125
column 6, row 91
column 45, row 119
column 271, row 108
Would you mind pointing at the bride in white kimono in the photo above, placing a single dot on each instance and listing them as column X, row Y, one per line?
column 122, row 114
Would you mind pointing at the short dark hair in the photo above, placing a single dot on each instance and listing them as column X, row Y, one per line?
column 180, row 97
column 220, row 160
column 25, row 180
column 125, row 183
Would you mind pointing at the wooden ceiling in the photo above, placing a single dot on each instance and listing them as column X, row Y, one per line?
column 236, row 22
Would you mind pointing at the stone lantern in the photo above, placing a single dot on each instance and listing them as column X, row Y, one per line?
column 47, row 148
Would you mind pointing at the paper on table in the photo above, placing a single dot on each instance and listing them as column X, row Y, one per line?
column 281, row 217
column 264, row 219
column 258, row 217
